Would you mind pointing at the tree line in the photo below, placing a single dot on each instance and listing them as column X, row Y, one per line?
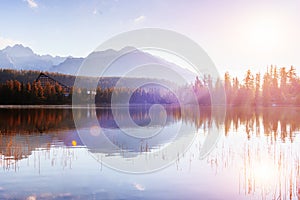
column 16, row 93
column 277, row 86
column 24, row 76
column 147, row 95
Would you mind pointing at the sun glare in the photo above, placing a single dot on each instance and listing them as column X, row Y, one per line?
column 171, row 58
column 264, row 172
column 264, row 34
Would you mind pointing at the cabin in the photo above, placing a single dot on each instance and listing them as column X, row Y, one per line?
column 44, row 79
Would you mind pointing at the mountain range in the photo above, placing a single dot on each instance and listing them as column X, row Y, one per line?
column 23, row 58
column 19, row 57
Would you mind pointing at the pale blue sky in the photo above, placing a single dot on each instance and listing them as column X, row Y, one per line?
column 236, row 34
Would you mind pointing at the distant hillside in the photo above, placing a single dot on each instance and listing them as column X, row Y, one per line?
column 69, row 66
column 25, row 76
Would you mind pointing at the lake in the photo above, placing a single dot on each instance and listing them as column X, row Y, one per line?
column 44, row 154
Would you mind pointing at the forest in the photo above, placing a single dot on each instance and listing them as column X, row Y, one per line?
column 15, row 93
column 276, row 87
column 25, row 76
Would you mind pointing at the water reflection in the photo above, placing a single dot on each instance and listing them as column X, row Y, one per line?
column 27, row 121
column 260, row 146
column 278, row 123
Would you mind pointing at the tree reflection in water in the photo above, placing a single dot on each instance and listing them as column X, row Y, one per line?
column 260, row 144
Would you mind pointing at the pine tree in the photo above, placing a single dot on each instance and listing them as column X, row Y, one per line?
column 257, row 89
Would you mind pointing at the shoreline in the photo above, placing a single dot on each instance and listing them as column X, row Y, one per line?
column 134, row 105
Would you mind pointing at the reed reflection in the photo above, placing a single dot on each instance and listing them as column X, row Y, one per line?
column 260, row 145
column 277, row 124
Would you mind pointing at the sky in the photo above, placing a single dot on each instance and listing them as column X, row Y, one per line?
column 237, row 35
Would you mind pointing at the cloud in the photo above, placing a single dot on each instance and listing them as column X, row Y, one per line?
column 139, row 19
column 139, row 187
column 32, row 3
column 4, row 42
column 97, row 12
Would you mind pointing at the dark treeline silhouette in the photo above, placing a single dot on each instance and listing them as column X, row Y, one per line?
column 14, row 92
column 17, row 93
column 147, row 95
column 274, row 87
column 25, row 76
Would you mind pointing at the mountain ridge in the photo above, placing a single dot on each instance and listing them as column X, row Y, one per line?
column 19, row 57
column 23, row 58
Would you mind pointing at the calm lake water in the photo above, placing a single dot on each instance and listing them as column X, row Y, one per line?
column 42, row 155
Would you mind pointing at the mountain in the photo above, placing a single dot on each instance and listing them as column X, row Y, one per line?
column 125, row 60
column 20, row 57
column 5, row 61
column 18, row 51
column 55, row 60
column 69, row 66
column 130, row 61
